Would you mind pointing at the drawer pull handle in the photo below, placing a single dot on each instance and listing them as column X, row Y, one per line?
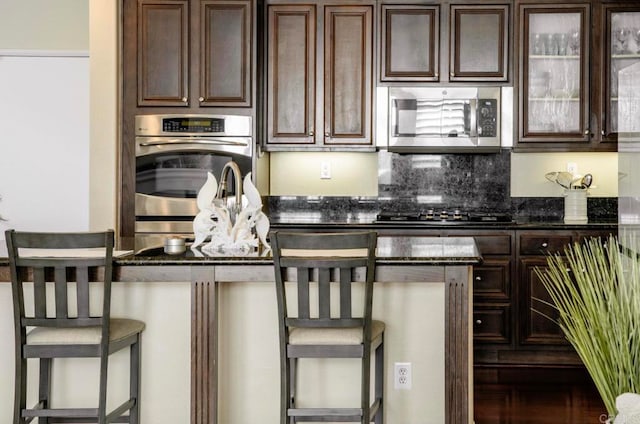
column 545, row 244
column 478, row 321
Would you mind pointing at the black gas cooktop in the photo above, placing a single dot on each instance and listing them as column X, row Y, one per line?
column 444, row 217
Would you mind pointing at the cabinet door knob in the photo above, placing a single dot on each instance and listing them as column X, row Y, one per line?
column 478, row 278
column 545, row 244
column 602, row 132
column 478, row 321
column 452, row 74
column 437, row 75
column 327, row 134
column 586, row 132
column 184, row 100
column 201, row 99
column 310, row 133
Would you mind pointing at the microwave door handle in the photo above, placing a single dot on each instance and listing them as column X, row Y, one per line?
column 473, row 119
column 199, row 141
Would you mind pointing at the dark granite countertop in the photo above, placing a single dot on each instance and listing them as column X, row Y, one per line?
column 328, row 221
column 320, row 219
column 390, row 251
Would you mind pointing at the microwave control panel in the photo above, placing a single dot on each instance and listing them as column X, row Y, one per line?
column 487, row 117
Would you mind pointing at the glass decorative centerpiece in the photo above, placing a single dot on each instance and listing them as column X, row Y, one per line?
column 234, row 225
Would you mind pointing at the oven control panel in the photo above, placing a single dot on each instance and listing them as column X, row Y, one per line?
column 193, row 125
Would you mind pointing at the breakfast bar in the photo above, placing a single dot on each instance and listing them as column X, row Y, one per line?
column 422, row 291
column 419, row 266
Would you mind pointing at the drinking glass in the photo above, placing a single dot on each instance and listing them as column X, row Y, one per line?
column 562, row 40
column 574, row 42
column 537, row 45
column 621, row 39
column 636, row 36
column 550, row 45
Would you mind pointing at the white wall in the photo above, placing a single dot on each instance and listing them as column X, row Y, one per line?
column 298, row 173
column 44, row 147
column 44, row 24
column 528, row 173
column 104, row 94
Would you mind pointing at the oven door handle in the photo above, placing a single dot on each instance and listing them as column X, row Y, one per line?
column 199, row 141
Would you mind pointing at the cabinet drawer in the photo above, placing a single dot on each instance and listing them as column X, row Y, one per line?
column 491, row 323
column 494, row 245
column 492, row 279
column 488, row 244
column 543, row 244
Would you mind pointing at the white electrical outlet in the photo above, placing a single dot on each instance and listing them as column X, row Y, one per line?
column 325, row 170
column 402, row 376
column 572, row 168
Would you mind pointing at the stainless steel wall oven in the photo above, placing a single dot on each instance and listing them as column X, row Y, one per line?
column 173, row 155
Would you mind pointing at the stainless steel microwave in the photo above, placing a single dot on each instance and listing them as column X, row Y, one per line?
column 444, row 119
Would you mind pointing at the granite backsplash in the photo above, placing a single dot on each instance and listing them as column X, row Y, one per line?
column 471, row 182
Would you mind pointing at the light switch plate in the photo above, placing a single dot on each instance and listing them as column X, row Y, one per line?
column 325, row 171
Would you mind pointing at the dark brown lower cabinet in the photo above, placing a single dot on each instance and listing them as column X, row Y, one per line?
column 539, row 338
column 514, row 322
column 538, row 320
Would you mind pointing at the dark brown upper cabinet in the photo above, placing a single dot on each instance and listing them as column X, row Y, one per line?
column 554, row 73
column 194, row 53
column 291, row 88
column 163, row 53
column 471, row 46
column 409, row 43
column 319, row 76
column 620, row 49
column 225, row 53
column 570, row 55
column 479, row 43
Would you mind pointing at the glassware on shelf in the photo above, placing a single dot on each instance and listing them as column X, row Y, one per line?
column 621, row 40
column 635, row 33
column 562, row 41
column 574, row 42
column 539, row 84
column 537, row 47
column 550, row 45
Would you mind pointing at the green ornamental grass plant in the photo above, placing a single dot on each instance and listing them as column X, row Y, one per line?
column 596, row 289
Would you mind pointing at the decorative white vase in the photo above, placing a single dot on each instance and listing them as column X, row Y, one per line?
column 575, row 206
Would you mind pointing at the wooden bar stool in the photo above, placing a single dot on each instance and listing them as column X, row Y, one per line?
column 326, row 258
column 67, row 330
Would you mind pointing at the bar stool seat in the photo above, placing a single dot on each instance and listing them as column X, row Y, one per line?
column 119, row 330
column 333, row 336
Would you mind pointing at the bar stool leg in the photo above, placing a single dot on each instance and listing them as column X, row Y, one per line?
column 102, row 400
column 20, row 396
column 293, row 372
column 134, row 388
column 44, row 390
column 379, row 376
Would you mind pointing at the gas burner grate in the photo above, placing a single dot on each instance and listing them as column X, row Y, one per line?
column 444, row 216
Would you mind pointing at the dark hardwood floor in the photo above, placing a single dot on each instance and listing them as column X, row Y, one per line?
column 536, row 396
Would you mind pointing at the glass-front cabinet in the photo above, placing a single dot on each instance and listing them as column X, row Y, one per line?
column 622, row 49
column 554, row 73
